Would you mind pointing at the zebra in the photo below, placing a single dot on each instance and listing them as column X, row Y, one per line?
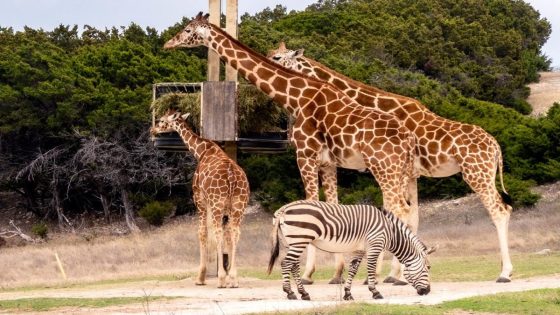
column 360, row 229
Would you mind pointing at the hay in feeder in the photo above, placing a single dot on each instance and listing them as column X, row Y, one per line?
column 257, row 113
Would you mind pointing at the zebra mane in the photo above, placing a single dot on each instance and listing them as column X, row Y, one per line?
column 401, row 225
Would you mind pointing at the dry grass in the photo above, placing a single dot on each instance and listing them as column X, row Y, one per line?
column 544, row 93
column 459, row 227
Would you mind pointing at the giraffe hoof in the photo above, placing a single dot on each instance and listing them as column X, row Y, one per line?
column 292, row 296
column 305, row 296
column 400, row 282
column 390, row 280
column 336, row 280
column 199, row 283
column 307, row 281
column 503, row 280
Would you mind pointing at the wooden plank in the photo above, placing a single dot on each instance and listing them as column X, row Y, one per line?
column 218, row 114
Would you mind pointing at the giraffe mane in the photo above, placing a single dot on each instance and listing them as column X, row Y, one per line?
column 262, row 58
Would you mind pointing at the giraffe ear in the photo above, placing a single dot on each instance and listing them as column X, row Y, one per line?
column 185, row 116
column 299, row 52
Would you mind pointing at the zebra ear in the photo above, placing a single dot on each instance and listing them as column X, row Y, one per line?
column 432, row 249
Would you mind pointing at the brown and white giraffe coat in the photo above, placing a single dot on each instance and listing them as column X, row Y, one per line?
column 445, row 147
column 330, row 129
column 220, row 189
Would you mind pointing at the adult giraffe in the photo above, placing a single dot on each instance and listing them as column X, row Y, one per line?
column 330, row 129
column 444, row 147
column 220, row 192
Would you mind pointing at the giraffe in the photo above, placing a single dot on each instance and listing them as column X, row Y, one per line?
column 220, row 192
column 330, row 129
column 444, row 147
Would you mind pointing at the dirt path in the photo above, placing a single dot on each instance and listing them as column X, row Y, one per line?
column 544, row 93
column 265, row 296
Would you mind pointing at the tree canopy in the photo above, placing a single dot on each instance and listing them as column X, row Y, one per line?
column 468, row 60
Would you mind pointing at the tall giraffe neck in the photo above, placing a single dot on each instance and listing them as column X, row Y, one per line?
column 196, row 145
column 364, row 94
column 289, row 88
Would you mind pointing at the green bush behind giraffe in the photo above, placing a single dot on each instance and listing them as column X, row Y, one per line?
column 468, row 63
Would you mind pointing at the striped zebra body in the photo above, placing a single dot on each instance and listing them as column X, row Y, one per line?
column 360, row 229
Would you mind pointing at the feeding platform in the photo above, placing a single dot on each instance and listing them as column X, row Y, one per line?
column 218, row 115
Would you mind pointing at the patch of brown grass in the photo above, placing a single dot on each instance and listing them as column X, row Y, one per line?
column 460, row 227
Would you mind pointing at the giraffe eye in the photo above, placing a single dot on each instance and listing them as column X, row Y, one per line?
column 276, row 58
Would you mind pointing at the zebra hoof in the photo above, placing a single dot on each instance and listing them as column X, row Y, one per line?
column 365, row 282
column 348, row 297
column 305, row 296
column 292, row 296
column 377, row 296
column 503, row 280
column 390, row 280
column 399, row 282
column 307, row 281
column 337, row 280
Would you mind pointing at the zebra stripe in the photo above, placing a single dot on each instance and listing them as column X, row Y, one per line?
column 360, row 229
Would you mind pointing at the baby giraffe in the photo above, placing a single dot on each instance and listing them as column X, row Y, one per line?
column 220, row 192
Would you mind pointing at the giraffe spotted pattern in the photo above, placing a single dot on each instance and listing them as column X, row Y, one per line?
column 220, row 190
column 330, row 129
column 444, row 147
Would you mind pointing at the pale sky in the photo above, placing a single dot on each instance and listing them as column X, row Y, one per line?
column 160, row 14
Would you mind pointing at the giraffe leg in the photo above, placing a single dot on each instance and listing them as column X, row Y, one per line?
column 309, row 265
column 203, row 239
column 328, row 182
column 217, row 219
column 485, row 187
column 309, row 170
column 233, row 229
column 411, row 219
column 396, row 203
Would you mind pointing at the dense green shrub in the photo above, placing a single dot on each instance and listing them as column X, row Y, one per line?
column 155, row 212
column 40, row 229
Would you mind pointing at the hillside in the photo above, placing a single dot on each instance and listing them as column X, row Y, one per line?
column 545, row 92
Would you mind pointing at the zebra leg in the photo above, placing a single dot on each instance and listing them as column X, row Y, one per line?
column 354, row 264
column 374, row 249
column 286, row 266
column 299, row 284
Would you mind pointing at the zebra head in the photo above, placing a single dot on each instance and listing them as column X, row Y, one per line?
column 416, row 271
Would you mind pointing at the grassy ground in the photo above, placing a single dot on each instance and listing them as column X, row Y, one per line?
column 536, row 302
column 468, row 268
column 46, row 304
column 468, row 251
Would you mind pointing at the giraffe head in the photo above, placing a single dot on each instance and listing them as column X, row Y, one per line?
column 193, row 35
column 166, row 122
column 287, row 58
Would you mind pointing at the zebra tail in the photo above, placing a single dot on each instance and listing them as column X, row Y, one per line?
column 275, row 251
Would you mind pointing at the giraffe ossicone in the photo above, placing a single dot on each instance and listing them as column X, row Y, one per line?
column 220, row 190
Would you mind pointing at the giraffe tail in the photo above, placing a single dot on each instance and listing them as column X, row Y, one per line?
column 504, row 194
column 275, row 251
